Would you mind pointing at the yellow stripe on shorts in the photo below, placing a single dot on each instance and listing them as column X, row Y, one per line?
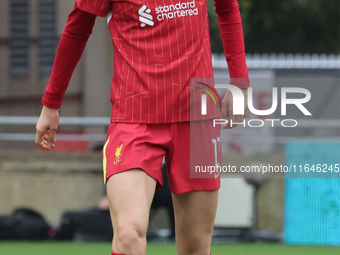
column 105, row 159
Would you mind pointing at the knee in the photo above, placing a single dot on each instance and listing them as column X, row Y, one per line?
column 128, row 237
column 197, row 250
column 131, row 240
column 195, row 245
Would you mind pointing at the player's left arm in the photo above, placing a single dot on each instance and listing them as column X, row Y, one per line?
column 230, row 25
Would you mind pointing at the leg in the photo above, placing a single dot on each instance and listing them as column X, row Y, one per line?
column 194, row 220
column 195, row 199
column 130, row 194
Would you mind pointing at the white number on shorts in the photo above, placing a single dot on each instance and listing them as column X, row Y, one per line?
column 217, row 144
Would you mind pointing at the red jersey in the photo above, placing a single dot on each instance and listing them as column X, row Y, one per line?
column 158, row 47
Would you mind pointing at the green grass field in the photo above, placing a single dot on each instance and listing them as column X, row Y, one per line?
column 60, row 248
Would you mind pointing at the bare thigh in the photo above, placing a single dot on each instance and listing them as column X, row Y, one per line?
column 130, row 194
column 194, row 220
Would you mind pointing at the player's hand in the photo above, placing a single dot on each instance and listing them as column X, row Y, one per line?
column 46, row 128
column 227, row 109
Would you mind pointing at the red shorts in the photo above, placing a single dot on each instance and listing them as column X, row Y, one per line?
column 184, row 146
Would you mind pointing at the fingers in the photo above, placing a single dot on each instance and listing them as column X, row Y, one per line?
column 230, row 119
column 246, row 113
column 39, row 139
column 238, row 119
column 46, row 128
column 224, row 110
column 51, row 137
column 233, row 120
column 227, row 112
column 45, row 140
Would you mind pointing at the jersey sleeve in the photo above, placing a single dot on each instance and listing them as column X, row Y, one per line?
column 230, row 25
column 71, row 46
column 96, row 7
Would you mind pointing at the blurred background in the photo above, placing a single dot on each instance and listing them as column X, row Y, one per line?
column 289, row 43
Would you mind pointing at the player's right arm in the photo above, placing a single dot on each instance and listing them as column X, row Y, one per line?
column 71, row 46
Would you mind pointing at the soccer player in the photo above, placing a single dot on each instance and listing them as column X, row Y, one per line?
column 158, row 47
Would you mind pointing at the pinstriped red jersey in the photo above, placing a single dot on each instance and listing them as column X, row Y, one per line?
column 159, row 45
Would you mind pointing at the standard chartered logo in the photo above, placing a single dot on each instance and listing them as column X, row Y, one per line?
column 181, row 9
column 176, row 10
column 145, row 17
